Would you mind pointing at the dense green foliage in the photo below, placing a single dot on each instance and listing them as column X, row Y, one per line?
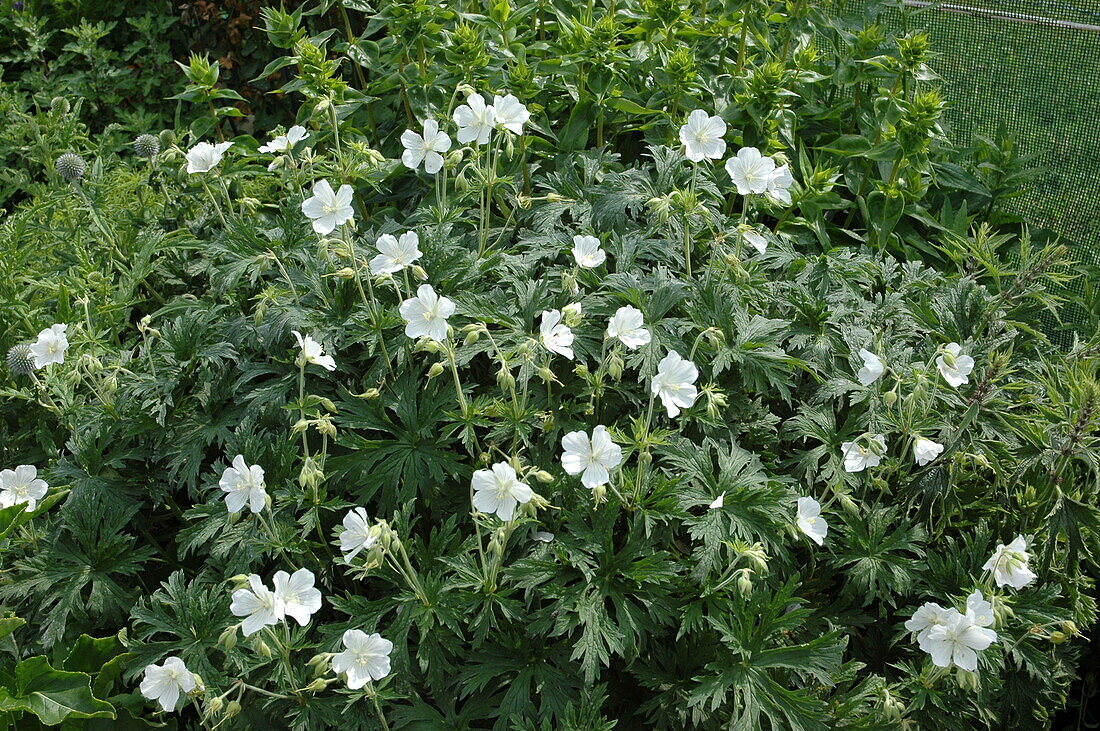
column 651, row 606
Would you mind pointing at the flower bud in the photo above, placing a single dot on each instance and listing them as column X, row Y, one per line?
column 1058, row 637
column 20, row 360
column 326, row 427
column 261, row 648
column 232, row 709
column 1069, row 627
column 890, row 397
column 967, row 680
column 228, row 638
column 555, row 198
column 310, row 475
column 544, row 477
column 60, row 106
column 200, row 686
column 645, row 457
column 471, row 337
column 299, row 426
column 317, row 685
column 454, row 158
column 744, row 583
column 547, row 375
column 581, row 370
column 214, row 705
column 345, row 273
column 849, row 506
column 435, row 370
column 599, row 494
column 146, row 146
column 615, row 367
column 70, row 167
column 572, row 314
column 505, row 379
column 239, row 581
column 419, row 273
column 495, row 549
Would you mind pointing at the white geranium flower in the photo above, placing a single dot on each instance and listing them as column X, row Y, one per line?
column 750, row 171
column 674, row 383
column 755, row 239
column 498, row 490
column 475, row 120
column 927, row 616
column 313, row 352
column 627, row 325
column 328, row 210
column 257, row 606
column 702, row 136
column 511, row 114
column 203, row 157
column 51, row 346
column 1009, row 564
column 587, row 252
column 592, row 459
column 163, row 683
column 426, row 314
column 718, row 502
column 394, row 254
column 858, row 457
column 925, row 450
column 286, row 142
column 295, row 595
column 872, row 367
column 22, row 485
column 556, row 336
column 960, row 366
column 779, row 183
column 809, row 520
column 427, row 148
column 365, row 658
column 358, row 534
column 979, row 610
column 956, row 639
column 243, row 484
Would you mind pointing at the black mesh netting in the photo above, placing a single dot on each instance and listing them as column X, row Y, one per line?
column 1031, row 68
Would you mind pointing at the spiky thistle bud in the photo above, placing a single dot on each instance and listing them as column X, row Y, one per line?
column 20, row 359
column 60, row 105
column 146, row 146
column 70, row 166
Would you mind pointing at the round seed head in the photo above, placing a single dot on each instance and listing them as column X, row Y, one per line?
column 60, row 105
column 20, row 359
column 146, row 146
column 70, row 166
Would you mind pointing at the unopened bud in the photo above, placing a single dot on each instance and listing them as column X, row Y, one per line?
column 471, row 337
column 345, row 273
column 505, row 379
column 744, row 583
column 1058, row 637
column 547, row 375
column 615, row 367
column 418, row 272
column 228, row 638
column 544, row 477
column 317, row 685
column 261, row 649
column 435, row 370
column 890, row 397
column 581, row 370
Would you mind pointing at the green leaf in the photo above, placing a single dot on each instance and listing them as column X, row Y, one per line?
column 52, row 695
column 15, row 516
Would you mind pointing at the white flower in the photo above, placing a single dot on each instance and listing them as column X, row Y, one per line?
column 808, row 520
column 282, row 143
column 750, row 171
column 511, row 114
column 328, row 210
column 21, row 485
column 427, row 148
column 573, row 314
column 927, row 616
column 755, row 239
column 313, row 352
column 925, row 450
column 702, row 136
column 426, row 314
column 395, row 253
column 1009, row 564
column 366, row 658
column 295, row 595
column 858, row 458
column 956, row 640
column 718, row 502
column 556, row 337
column 256, row 606
column 163, row 683
column 51, row 346
column 498, row 490
column 872, row 367
column 587, row 252
column 778, row 184
column 627, row 325
column 475, row 120
column 204, row 156
column 358, row 534
column 978, row 610
column 242, row 484
column 592, row 459
column 674, row 383
column 960, row 367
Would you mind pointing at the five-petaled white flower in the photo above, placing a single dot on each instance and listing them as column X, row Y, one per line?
column 394, row 254
column 295, row 595
column 956, row 639
column 163, row 683
column 366, row 658
column 51, row 346
column 858, row 457
column 953, row 366
column 809, row 520
column 702, row 136
column 872, row 367
column 243, row 484
column 256, row 605
column 925, row 450
column 556, row 336
column 779, row 183
column 927, row 616
column 511, row 114
column 358, row 534
column 627, row 325
column 327, row 209
column 587, row 252
column 1009, row 564
column 282, row 143
column 313, row 352
column 592, row 459
column 979, row 610
column 674, row 383
column 750, row 171
column 475, row 120
column 426, row 314
column 427, row 148
column 21, row 485
column 204, row 156
column 498, row 490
